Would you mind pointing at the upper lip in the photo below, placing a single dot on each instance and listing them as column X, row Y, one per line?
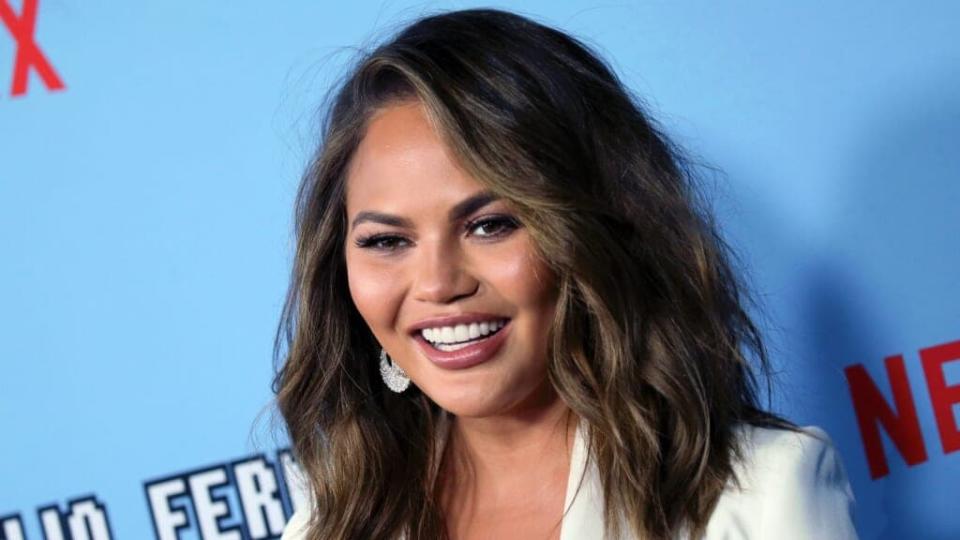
column 453, row 320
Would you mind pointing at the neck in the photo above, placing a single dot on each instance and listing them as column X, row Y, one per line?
column 537, row 435
column 511, row 468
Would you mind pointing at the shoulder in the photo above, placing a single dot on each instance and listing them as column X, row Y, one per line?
column 789, row 485
column 296, row 527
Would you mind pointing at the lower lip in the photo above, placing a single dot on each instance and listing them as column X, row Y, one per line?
column 469, row 356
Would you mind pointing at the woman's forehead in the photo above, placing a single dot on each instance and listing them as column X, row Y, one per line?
column 402, row 161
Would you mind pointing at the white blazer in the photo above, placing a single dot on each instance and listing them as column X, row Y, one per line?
column 792, row 487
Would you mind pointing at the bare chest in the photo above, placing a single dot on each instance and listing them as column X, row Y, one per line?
column 533, row 514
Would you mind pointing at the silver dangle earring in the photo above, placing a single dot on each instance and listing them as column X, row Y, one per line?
column 393, row 375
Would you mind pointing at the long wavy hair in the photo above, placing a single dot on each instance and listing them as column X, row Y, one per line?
column 651, row 346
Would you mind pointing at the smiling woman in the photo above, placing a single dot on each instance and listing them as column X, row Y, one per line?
column 431, row 256
column 509, row 318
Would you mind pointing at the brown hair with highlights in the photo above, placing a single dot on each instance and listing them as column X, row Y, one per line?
column 651, row 347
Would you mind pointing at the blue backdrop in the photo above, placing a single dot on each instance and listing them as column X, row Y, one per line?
column 149, row 154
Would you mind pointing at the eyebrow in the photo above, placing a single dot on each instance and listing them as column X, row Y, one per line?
column 462, row 209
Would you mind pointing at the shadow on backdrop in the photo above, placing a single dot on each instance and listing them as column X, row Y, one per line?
column 888, row 285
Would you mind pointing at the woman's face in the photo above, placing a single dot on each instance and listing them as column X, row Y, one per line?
column 443, row 274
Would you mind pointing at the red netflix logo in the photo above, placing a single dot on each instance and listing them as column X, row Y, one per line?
column 900, row 420
column 29, row 56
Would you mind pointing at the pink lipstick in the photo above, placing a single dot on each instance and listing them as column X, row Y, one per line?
column 477, row 352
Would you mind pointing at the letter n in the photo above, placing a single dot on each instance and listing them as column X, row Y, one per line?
column 901, row 422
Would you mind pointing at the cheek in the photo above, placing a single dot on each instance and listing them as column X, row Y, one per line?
column 525, row 280
column 373, row 292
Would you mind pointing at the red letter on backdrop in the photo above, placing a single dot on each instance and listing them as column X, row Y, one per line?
column 902, row 425
column 28, row 53
column 942, row 396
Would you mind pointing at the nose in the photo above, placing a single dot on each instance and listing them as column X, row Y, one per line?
column 441, row 275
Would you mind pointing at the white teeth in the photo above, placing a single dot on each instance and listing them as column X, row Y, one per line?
column 452, row 337
column 447, row 335
column 448, row 348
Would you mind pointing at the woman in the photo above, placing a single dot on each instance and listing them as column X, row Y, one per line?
column 509, row 318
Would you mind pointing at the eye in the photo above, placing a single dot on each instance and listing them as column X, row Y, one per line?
column 381, row 242
column 492, row 226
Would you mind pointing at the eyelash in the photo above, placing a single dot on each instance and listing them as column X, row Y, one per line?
column 505, row 225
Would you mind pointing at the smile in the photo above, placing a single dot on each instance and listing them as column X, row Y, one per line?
column 452, row 338
column 463, row 345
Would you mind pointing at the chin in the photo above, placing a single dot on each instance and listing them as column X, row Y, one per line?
column 468, row 405
column 478, row 400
